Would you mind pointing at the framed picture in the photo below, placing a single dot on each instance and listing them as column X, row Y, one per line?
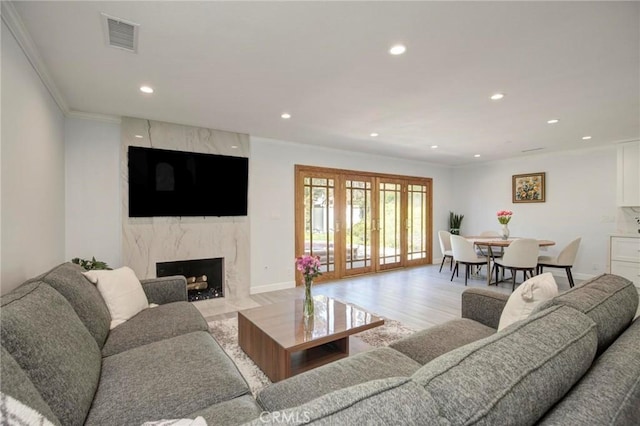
column 528, row 188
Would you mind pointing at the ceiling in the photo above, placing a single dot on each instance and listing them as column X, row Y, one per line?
column 239, row 65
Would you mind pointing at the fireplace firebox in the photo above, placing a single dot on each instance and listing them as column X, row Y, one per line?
column 204, row 276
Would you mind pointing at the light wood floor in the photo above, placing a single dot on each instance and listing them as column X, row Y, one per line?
column 419, row 297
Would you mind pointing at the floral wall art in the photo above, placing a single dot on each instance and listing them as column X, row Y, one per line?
column 529, row 188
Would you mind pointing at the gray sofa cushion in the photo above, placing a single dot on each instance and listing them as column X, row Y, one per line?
column 43, row 333
column 517, row 374
column 391, row 401
column 154, row 324
column 230, row 413
column 609, row 394
column 165, row 289
column 609, row 300
column 85, row 298
column 484, row 306
column 168, row 379
column 425, row 345
column 375, row 364
column 16, row 384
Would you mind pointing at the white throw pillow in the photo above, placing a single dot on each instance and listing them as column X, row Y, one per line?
column 121, row 291
column 526, row 297
column 14, row 412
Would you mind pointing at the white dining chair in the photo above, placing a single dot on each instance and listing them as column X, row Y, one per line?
column 445, row 247
column 464, row 253
column 520, row 255
column 564, row 259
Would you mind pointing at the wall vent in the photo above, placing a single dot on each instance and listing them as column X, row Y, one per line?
column 120, row 33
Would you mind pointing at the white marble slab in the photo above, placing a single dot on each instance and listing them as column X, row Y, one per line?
column 163, row 239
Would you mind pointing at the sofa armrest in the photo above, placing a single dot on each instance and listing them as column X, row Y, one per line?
column 484, row 306
column 165, row 289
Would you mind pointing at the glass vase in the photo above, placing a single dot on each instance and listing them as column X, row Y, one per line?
column 505, row 231
column 307, row 307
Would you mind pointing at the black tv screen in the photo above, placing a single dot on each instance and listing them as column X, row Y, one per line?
column 177, row 183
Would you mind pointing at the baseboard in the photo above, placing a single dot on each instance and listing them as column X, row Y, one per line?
column 272, row 287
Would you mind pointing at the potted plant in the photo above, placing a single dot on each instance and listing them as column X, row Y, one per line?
column 455, row 220
column 90, row 264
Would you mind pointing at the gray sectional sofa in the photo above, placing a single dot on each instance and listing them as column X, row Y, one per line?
column 574, row 361
column 60, row 358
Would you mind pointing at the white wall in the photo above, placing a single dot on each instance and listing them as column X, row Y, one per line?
column 271, row 200
column 580, row 202
column 93, row 201
column 33, row 193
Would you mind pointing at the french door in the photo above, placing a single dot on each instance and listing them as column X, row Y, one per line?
column 358, row 222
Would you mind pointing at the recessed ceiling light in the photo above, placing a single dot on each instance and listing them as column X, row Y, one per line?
column 552, row 121
column 234, row 146
column 146, row 89
column 374, row 135
column 497, row 96
column 477, row 155
column 586, row 138
column 434, row 146
column 139, row 136
column 398, row 49
column 286, row 115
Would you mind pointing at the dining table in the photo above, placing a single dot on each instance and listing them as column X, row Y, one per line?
column 492, row 243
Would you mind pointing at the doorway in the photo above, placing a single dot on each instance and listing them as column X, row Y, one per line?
column 362, row 222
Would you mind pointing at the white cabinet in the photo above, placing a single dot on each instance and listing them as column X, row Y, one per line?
column 629, row 174
column 625, row 257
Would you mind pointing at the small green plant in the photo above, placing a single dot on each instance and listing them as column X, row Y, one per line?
column 90, row 264
column 455, row 220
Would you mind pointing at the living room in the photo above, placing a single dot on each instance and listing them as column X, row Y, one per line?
column 65, row 140
column 75, row 169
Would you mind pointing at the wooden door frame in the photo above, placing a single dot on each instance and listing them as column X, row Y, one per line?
column 300, row 173
column 339, row 203
column 429, row 225
column 343, row 209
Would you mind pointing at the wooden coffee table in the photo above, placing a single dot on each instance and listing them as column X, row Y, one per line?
column 282, row 343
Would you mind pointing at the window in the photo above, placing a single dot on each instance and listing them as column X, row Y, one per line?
column 361, row 222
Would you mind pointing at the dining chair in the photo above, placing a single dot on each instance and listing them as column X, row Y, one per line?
column 520, row 255
column 445, row 248
column 564, row 259
column 464, row 253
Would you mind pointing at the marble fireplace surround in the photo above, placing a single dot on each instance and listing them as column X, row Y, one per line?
column 147, row 241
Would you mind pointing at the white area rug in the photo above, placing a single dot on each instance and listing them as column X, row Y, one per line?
column 226, row 333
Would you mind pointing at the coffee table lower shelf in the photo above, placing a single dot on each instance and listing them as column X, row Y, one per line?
column 307, row 359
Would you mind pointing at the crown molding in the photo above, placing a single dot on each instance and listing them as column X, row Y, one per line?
column 94, row 116
column 14, row 23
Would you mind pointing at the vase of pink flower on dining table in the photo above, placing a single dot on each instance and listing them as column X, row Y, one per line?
column 504, row 216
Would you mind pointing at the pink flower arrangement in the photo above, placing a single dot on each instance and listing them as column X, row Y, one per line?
column 504, row 216
column 309, row 266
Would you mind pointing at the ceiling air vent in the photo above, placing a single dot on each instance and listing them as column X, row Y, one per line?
column 120, row 33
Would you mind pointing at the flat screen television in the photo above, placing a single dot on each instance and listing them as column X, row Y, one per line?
column 177, row 183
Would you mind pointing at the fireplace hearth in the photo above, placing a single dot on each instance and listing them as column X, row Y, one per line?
column 204, row 276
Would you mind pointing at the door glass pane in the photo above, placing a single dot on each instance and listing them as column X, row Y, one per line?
column 417, row 222
column 358, row 224
column 319, row 232
column 390, row 223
